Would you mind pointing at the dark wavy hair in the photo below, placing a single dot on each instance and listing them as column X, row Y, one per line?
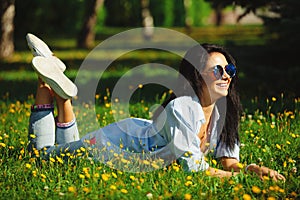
column 190, row 82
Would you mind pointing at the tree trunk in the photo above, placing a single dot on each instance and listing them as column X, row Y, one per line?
column 148, row 25
column 219, row 15
column 7, row 12
column 86, row 36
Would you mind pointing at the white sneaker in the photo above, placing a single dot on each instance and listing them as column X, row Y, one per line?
column 40, row 48
column 54, row 77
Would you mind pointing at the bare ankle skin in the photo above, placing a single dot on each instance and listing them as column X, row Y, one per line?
column 44, row 94
column 64, row 109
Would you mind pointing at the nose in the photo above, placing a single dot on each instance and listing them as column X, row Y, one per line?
column 225, row 75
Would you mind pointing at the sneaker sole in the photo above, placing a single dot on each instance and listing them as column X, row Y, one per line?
column 54, row 77
column 39, row 48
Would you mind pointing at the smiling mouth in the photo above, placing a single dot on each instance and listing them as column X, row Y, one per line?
column 222, row 85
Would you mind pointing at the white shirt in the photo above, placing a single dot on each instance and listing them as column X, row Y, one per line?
column 173, row 135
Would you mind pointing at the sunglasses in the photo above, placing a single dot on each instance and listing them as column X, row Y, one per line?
column 230, row 69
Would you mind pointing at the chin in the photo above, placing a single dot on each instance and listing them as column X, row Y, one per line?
column 221, row 92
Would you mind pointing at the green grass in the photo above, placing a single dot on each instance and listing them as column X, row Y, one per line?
column 269, row 137
column 269, row 125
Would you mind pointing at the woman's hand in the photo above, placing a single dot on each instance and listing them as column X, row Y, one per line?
column 265, row 171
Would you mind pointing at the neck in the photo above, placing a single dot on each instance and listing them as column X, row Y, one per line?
column 207, row 107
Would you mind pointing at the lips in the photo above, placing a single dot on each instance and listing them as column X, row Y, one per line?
column 222, row 85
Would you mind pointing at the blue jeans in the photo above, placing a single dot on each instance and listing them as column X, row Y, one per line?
column 46, row 135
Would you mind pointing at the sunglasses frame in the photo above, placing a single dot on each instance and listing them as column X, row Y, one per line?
column 219, row 71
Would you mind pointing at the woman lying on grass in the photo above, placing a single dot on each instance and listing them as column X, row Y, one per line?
column 190, row 124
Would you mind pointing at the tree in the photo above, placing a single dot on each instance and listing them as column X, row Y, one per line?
column 86, row 36
column 7, row 12
column 147, row 20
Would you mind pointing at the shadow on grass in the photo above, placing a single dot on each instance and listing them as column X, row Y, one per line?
column 264, row 71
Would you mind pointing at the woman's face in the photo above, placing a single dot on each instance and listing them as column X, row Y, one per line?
column 215, row 88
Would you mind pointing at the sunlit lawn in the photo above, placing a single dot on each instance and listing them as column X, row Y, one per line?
column 269, row 132
column 267, row 138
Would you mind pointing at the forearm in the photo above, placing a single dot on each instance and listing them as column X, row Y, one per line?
column 230, row 164
column 220, row 173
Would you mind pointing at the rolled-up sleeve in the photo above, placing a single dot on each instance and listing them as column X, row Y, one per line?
column 223, row 151
column 183, row 122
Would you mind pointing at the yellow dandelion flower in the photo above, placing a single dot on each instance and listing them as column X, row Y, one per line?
column 87, row 175
column 86, row 190
column 22, row 151
column 284, row 164
column 187, row 196
column 155, row 166
column 96, row 175
column 28, row 166
column 72, row 189
column 214, row 161
column 246, row 197
column 240, row 165
column 52, row 160
column 43, row 176
column 146, row 162
column 274, row 99
column 189, row 178
column 292, row 116
column 114, row 175
column 2, row 144
column 85, row 169
column 113, row 187
column 188, row 183
column 272, row 126
column 256, row 189
column 34, row 173
column 123, row 160
column 105, row 177
column 82, row 149
column 278, row 146
column 207, row 172
column 294, row 194
column 81, row 176
column 281, row 190
column 124, row 191
column 132, row 177
column 32, row 136
column 271, row 198
column 236, row 188
column 176, row 168
column 140, row 86
column 59, row 160
column 276, row 187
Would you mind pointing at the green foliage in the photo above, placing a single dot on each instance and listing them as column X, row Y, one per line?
column 48, row 17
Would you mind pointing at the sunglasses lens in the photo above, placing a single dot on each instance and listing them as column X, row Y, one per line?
column 218, row 71
column 230, row 70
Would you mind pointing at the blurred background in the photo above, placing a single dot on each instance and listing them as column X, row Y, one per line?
column 262, row 35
